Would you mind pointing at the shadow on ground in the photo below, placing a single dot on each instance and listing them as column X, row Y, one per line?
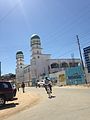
column 9, row 105
column 52, row 97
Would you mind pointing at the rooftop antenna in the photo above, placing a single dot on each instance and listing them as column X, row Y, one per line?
column 73, row 60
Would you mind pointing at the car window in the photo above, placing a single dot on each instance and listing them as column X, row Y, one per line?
column 1, row 85
column 5, row 85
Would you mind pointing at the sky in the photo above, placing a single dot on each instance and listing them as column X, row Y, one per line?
column 57, row 22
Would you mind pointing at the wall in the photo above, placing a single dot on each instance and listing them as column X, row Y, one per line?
column 74, row 75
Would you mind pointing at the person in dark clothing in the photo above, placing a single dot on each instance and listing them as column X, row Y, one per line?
column 48, row 83
column 23, row 87
column 18, row 86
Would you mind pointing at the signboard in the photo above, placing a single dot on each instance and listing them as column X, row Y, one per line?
column 74, row 75
column 62, row 77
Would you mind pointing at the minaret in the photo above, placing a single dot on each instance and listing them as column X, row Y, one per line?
column 20, row 59
column 38, row 60
column 36, row 55
column 35, row 45
column 19, row 67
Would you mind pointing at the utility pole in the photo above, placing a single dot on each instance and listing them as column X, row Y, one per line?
column 81, row 57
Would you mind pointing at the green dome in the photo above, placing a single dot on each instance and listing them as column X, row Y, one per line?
column 19, row 52
column 35, row 36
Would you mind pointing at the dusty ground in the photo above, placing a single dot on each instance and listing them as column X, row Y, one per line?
column 66, row 104
column 24, row 101
column 77, row 86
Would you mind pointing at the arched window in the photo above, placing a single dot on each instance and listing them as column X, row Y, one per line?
column 71, row 64
column 54, row 65
column 64, row 65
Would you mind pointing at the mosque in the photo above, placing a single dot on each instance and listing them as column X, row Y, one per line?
column 40, row 64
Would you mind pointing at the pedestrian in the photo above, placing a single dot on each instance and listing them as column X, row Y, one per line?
column 18, row 86
column 23, row 87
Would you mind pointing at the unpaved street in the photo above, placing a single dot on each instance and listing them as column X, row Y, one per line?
column 66, row 104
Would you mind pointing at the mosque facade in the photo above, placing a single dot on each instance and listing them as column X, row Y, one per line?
column 40, row 64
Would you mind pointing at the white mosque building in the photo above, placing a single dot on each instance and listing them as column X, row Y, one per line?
column 40, row 64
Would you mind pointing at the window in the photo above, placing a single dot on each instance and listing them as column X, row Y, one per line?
column 64, row 65
column 1, row 86
column 5, row 85
column 54, row 65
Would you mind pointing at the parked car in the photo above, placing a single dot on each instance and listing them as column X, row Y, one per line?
column 7, row 91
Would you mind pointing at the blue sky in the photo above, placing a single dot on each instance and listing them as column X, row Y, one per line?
column 57, row 22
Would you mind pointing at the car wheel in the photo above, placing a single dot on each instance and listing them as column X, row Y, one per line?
column 2, row 101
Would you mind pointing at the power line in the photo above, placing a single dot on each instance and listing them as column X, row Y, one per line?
column 82, row 45
column 70, row 23
column 9, row 12
column 69, row 51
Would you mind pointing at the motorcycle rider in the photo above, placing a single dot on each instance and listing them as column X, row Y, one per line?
column 48, row 83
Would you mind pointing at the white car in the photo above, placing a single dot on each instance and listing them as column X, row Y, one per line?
column 41, row 83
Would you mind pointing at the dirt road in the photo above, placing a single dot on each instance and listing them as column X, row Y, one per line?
column 24, row 101
column 66, row 104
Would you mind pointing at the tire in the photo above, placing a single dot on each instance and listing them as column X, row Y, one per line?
column 2, row 101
